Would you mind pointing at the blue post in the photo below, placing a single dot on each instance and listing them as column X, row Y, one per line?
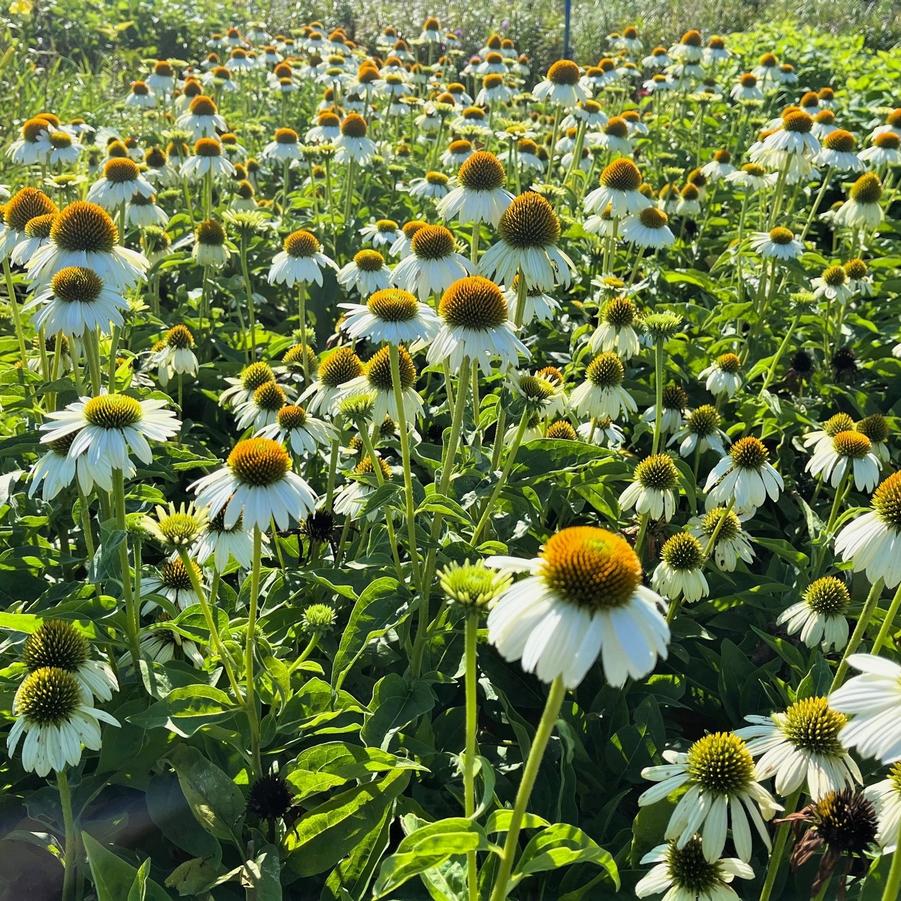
column 567, row 16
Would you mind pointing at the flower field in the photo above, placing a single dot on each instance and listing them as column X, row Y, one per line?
column 431, row 472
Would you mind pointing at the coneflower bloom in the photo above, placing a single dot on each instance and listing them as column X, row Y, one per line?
column 746, row 89
column 648, row 229
column 433, row 185
column 620, row 181
column 83, row 235
column 172, row 581
column 121, row 180
column 684, row 875
column 77, row 300
column 847, row 453
column 731, row 543
column 365, row 273
column 475, row 326
column 801, row 748
column 301, row 261
column 381, row 233
column 33, row 145
column 653, row 489
column 210, row 248
column 202, row 118
column 479, row 195
column 872, row 701
column 538, row 305
column 601, row 395
column 55, row 719
column 861, row 209
column 562, row 85
column 875, row 427
column 778, row 243
column 108, row 428
column 25, row 206
column 582, row 599
column 680, row 572
column 377, row 384
column 393, row 315
column 832, row 284
column 675, row 400
column 744, row 478
column 143, row 211
column 701, row 432
column 615, row 331
column 840, row 422
column 820, row 616
column 457, row 153
column 162, row 79
column 885, row 796
column 261, row 408
column 140, row 96
column 529, row 231
column 884, row 151
column 871, row 542
column 176, row 356
column 719, row 167
column 256, row 484
column 433, row 264
column 838, row 151
column 207, row 159
column 296, row 429
column 327, row 129
column 350, row 498
column 335, row 370
column 221, row 545
column 723, row 789
column 63, row 148
column 352, row 143
column 722, row 376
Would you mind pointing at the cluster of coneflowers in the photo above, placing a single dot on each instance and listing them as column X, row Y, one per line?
column 540, row 207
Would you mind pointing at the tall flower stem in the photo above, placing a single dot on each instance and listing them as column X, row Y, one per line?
column 840, row 492
column 71, row 836
column 782, row 833
column 349, row 190
column 887, row 623
column 774, row 366
column 711, row 541
column 302, row 323
column 857, row 635
column 332, row 471
column 409, row 506
column 248, row 288
column 892, row 889
column 470, row 643
column 132, row 613
column 529, row 775
column 502, row 481
column 816, row 204
column 658, row 394
column 253, row 719
column 14, row 312
column 215, row 639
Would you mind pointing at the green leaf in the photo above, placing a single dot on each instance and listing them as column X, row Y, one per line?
column 351, row 876
column 376, row 609
column 562, row 845
column 499, row 821
column 215, row 800
column 114, row 879
column 428, row 847
column 396, row 701
column 185, row 711
column 265, row 875
column 327, row 833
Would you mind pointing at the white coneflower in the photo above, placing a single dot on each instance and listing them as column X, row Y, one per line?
column 257, row 484
column 143, row 211
column 723, row 789
column 722, row 376
column 750, row 176
column 675, row 400
column 77, row 300
column 261, row 407
column 582, row 597
column 648, row 229
column 33, row 145
column 719, row 167
column 222, row 545
column 620, row 181
column 861, row 209
column 840, row 422
column 744, row 478
column 283, row 147
column 140, row 96
column 493, row 91
column 838, row 151
column 351, row 497
column 327, row 129
column 819, row 616
column 209, row 248
column 108, row 427
column 172, row 581
column 202, row 118
column 731, row 542
column 529, row 230
column 27, row 205
column 683, row 874
column 538, row 305
column 381, row 233
column 480, row 195
column 872, row 541
column 432, row 265
column 56, row 643
column 207, row 159
column 832, row 284
column 603, row 432
column 475, row 325
column 433, row 185
column 377, row 384
column 885, row 796
column 601, row 395
column 613, row 137
column 365, row 273
column 680, row 573
column 55, row 720
column 220, row 79
column 746, row 90
column 241, row 389
column 296, row 429
column 162, row 79
column 875, row 427
column 301, row 261
column 176, row 356
column 653, row 489
column 561, row 86
column 847, row 452
column 801, row 749
column 872, row 701
column 393, row 315
column 121, row 180
column 352, row 143
column 64, row 150
column 860, row 280
column 83, row 235
column 615, row 331
column 701, row 432
column 778, row 243
column 335, row 370
column 884, row 152
column 457, row 153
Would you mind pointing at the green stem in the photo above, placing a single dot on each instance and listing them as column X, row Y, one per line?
column 711, row 541
column 70, row 863
column 857, row 636
column 658, row 395
column 529, row 775
column 132, row 612
column 14, row 312
column 782, row 833
column 469, row 755
column 892, row 889
column 250, row 695
column 887, row 623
